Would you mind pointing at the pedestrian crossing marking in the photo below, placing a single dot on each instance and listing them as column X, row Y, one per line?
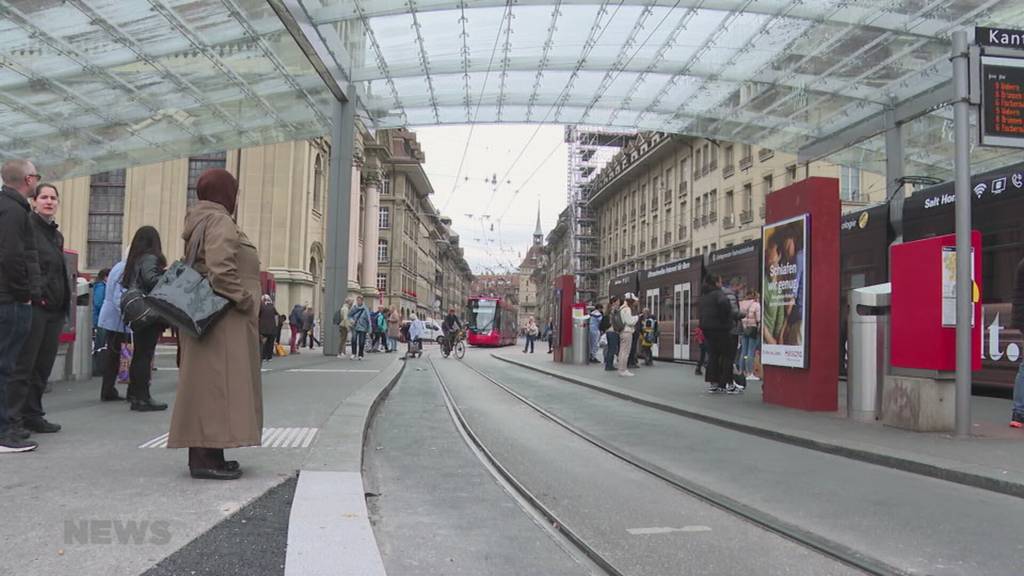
column 288, row 437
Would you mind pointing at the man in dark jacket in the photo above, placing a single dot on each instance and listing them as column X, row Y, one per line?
column 1017, row 418
column 270, row 331
column 716, row 321
column 295, row 323
column 19, row 282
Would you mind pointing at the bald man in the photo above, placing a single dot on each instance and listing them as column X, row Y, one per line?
column 19, row 284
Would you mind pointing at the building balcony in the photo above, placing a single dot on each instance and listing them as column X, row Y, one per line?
column 683, row 233
column 713, row 216
column 761, row 211
column 746, row 217
column 728, row 170
column 746, row 163
column 668, row 238
column 765, row 154
column 729, row 221
column 704, row 220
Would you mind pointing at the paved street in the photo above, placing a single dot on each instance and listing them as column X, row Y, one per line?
column 93, row 476
column 902, row 522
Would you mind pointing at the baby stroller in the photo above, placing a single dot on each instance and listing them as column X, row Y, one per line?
column 414, row 349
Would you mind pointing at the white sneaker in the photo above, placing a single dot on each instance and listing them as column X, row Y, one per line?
column 627, row 373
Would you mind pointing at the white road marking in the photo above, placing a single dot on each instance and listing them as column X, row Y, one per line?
column 666, row 530
column 291, row 437
column 330, row 371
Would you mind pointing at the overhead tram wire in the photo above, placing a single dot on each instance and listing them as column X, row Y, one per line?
column 479, row 101
column 579, row 65
column 528, row 178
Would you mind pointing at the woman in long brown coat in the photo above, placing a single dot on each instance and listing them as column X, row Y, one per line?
column 394, row 329
column 220, row 401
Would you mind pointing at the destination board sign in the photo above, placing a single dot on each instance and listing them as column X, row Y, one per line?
column 999, row 37
column 1002, row 101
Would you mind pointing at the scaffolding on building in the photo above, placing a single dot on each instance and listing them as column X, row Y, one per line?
column 589, row 149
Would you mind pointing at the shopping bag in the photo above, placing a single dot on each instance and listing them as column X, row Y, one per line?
column 603, row 342
column 125, row 363
column 280, row 350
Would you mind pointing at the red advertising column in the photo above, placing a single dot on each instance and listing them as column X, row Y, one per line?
column 565, row 297
column 806, row 370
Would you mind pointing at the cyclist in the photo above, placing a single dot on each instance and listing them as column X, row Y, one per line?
column 451, row 326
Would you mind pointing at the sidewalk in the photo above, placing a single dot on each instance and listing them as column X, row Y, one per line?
column 83, row 502
column 993, row 458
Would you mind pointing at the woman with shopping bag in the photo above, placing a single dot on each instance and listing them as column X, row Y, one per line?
column 220, row 400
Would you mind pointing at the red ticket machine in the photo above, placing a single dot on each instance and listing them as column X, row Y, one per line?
column 565, row 297
column 923, row 321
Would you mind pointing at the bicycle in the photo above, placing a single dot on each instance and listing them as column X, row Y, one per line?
column 459, row 346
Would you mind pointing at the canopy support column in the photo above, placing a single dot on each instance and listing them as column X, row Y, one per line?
column 964, row 284
column 338, row 219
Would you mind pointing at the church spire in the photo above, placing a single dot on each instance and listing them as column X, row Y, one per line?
column 538, row 234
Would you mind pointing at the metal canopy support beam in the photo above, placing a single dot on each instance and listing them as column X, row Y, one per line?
column 901, row 113
column 895, row 168
column 962, row 187
column 298, row 23
column 338, row 218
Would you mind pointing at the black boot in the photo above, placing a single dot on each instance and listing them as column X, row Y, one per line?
column 209, row 464
column 148, row 405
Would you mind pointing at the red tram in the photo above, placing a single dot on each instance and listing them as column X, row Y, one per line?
column 491, row 322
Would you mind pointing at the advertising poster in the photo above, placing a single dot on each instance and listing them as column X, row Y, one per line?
column 784, row 301
column 949, row 286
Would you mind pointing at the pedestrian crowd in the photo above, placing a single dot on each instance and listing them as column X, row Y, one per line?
column 727, row 334
column 218, row 404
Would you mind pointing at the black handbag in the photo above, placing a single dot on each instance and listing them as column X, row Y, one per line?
column 136, row 310
column 184, row 297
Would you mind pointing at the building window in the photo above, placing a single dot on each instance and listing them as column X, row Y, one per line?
column 713, row 210
column 382, row 282
column 384, row 218
column 199, row 164
column 790, row 174
column 106, row 218
column 318, row 176
column 383, row 253
column 748, row 203
column 849, row 184
column 766, row 185
column 730, row 156
column 713, row 153
column 385, row 185
column 730, row 206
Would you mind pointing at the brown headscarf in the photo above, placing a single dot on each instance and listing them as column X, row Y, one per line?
column 218, row 185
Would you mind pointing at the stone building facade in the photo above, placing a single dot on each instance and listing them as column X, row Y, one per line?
column 420, row 266
column 667, row 197
column 282, row 205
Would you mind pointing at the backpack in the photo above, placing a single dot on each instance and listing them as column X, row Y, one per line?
column 649, row 333
column 337, row 317
column 382, row 323
column 617, row 324
column 605, row 324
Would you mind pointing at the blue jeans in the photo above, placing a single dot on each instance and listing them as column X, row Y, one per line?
column 595, row 340
column 1018, row 392
column 748, row 349
column 611, row 350
column 529, row 343
column 15, row 323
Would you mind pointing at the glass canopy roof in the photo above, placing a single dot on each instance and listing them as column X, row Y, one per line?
column 92, row 84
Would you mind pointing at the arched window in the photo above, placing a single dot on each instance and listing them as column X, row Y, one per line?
column 318, row 176
column 383, row 252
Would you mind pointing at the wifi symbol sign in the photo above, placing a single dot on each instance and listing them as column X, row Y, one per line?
column 979, row 189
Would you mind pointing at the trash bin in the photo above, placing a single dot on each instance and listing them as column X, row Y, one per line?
column 867, row 350
column 580, row 340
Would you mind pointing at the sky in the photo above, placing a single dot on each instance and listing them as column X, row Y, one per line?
column 496, row 224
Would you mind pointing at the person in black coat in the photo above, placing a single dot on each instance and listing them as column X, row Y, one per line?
column 143, row 268
column 716, row 321
column 51, row 307
column 270, row 330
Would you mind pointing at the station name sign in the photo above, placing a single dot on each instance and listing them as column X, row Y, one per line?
column 999, row 37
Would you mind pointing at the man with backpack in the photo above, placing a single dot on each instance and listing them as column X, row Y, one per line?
column 648, row 336
column 610, row 333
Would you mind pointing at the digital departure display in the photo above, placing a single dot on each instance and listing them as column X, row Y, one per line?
column 1002, row 103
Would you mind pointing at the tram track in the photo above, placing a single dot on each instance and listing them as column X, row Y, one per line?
column 805, row 538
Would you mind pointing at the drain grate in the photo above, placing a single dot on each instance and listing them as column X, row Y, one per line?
column 272, row 438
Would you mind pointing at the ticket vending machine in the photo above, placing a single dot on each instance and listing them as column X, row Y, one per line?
column 565, row 297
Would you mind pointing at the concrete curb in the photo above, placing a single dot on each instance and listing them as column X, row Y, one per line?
column 947, row 471
column 329, row 532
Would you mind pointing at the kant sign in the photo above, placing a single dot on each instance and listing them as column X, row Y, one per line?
column 999, row 37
